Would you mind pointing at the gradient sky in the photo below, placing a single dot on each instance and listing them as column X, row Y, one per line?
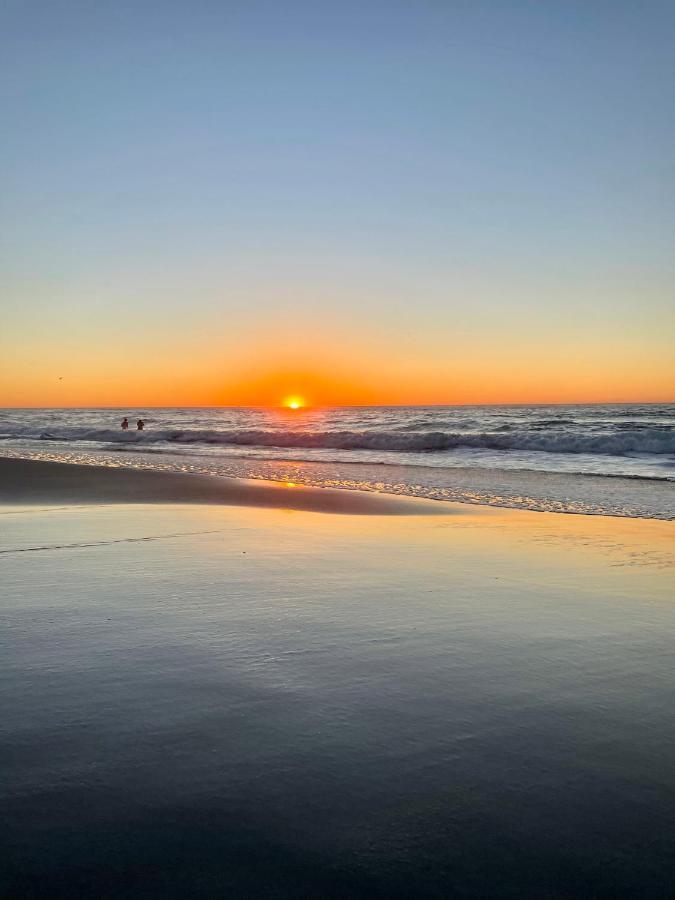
column 360, row 202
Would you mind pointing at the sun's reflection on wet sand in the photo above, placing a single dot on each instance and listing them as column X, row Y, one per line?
column 540, row 491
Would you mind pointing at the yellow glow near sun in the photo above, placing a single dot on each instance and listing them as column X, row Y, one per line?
column 294, row 402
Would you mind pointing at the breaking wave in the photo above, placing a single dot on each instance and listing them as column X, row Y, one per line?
column 619, row 443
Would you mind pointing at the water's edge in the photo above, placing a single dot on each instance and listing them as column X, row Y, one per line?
column 565, row 493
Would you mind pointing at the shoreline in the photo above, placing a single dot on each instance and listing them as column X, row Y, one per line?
column 29, row 482
column 33, row 480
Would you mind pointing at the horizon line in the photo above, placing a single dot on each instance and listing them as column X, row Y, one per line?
column 349, row 405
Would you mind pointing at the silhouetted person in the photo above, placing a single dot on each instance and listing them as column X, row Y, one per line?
column 125, row 423
column 140, row 425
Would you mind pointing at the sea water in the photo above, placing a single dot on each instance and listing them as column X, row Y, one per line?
column 596, row 459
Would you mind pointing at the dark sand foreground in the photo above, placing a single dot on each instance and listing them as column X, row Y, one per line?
column 227, row 701
column 32, row 481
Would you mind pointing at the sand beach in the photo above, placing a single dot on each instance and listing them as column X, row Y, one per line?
column 286, row 692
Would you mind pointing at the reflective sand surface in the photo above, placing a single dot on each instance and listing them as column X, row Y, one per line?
column 204, row 701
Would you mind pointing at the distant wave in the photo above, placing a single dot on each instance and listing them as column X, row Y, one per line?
column 619, row 443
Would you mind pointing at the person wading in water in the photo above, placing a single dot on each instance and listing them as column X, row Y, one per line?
column 125, row 423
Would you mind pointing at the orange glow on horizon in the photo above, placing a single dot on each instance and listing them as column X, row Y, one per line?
column 340, row 371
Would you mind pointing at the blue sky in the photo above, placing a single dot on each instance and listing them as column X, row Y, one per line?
column 405, row 177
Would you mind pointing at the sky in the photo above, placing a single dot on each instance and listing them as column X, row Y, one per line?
column 430, row 201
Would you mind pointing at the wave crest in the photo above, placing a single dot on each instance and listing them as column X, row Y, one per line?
column 618, row 443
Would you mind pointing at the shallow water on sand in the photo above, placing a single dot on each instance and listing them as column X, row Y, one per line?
column 215, row 702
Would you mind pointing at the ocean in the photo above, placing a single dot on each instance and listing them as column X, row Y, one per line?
column 614, row 460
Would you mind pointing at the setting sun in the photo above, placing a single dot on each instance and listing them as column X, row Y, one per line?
column 294, row 402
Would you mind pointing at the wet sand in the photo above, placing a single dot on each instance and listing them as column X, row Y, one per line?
column 27, row 481
column 204, row 700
